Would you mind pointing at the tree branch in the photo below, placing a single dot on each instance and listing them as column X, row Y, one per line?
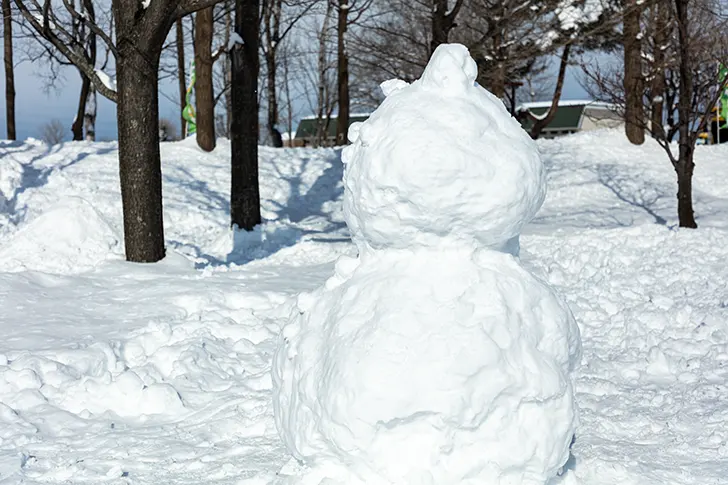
column 92, row 26
column 74, row 57
column 187, row 7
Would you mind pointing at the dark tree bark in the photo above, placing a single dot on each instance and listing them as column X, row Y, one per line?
column 204, row 94
column 228, row 71
column 657, row 87
column 182, row 77
column 244, row 193
column 271, row 23
column 77, row 126
column 141, row 33
column 9, row 71
column 342, row 80
column 139, row 163
column 442, row 22
column 541, row 123
column 684, row 166
column 89, row 116
column 633, row 81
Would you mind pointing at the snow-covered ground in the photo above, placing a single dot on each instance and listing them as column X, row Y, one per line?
column 112, row 372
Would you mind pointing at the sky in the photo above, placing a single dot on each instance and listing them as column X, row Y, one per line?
column 35, row 105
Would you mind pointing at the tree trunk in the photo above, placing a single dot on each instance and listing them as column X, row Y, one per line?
column 633, row 82
column 686, row 217
column 228, row 73
column 182, row 77
column 497, row 83
column 89, row 116
column 442, row 22
column 9, row 71
column 244, row 192
column 322, row 98
column 204, row 94
column 77, row 127
column 271, row 22
column 342, row 121
column 542, row 123
column 139, row 160
column 685, row 165
column 657, row 88
column 275, row 135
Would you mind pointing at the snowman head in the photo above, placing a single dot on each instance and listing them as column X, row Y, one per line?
column 440, row 161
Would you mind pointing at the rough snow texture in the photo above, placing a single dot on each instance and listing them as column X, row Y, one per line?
column 433, row 358
column 650, row 300
column 441, row 158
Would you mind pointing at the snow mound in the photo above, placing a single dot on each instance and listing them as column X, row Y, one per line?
column 433, row 357
column 441, row 158
column 69, row 238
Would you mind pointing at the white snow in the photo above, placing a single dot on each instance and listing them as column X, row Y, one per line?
column 399, row 201
column 650, row 300
column 566, row 102
column 106, row 79
column 574, row 13
column 433, row 357
column 235, row 39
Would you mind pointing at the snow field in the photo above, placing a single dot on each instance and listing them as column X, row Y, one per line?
column 651, row 303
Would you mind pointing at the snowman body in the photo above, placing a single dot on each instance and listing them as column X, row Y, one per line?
column 433, row 357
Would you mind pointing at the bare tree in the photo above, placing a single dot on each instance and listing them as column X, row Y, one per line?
column 204, row 95
column 167, row 131
column 73, row 23
column 181, row 76
column 659, row 22
column 349, row 13
column 89, row 115
column 278, row 20
column 9, row 70
column 53, row 132
column 342, row 73
column 443, row 21
column 633, row 82
column 696, row 36
column 141, row 29
column 542, row 122
column 245, row 193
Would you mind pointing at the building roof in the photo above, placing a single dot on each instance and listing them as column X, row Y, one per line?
column 307, row 126
column 567, row 102
column 568, row 114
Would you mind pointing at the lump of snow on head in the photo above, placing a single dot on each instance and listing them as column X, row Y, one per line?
column 433, row 357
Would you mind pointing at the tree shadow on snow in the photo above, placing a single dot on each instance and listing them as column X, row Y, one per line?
column 635, row 195
column 303, row 216
column 33, row 177
column 632, row 189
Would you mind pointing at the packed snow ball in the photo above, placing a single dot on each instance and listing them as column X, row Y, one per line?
column 440, row 157
column 433, row 358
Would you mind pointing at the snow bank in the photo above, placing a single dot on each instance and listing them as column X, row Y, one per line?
column 68, row 238
column 433, row 357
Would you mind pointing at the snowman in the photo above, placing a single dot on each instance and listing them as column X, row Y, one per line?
column 433, row 357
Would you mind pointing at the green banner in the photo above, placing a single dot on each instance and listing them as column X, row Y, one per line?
column 188, row 112
column 723, row 100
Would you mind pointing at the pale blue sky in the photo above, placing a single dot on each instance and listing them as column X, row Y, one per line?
column 35, row 107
